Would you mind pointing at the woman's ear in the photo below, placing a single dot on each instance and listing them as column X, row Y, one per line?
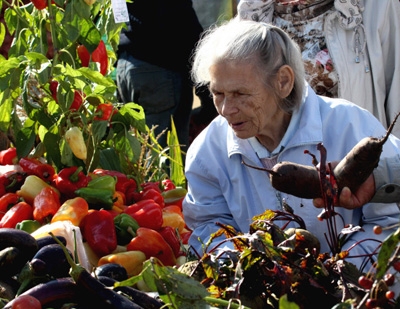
column 285, row 79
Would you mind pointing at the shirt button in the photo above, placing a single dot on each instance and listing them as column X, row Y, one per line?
column 389, row 189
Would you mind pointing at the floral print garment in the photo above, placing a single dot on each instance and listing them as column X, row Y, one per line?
column 303, row 20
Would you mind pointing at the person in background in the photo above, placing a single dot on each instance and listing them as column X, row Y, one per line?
column 269, row 114
column 153, row 63
column 351, row 49
column 382, row 186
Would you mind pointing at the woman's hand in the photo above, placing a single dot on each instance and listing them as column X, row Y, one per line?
column 350, row 200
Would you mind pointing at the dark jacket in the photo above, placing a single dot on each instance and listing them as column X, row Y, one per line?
column 161, row 32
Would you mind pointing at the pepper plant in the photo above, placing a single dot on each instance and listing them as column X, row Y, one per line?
column 57, row 78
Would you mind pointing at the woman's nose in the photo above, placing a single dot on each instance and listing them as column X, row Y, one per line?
column 228, row 106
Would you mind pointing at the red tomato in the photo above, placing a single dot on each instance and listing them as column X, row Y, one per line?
column 26, row 301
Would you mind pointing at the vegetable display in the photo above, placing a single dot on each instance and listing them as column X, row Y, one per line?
column 86, row 169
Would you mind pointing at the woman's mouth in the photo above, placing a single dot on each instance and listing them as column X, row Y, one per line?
column 237, row 125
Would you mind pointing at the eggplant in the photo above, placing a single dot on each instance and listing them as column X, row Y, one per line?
column 12, row 260
column 139, row 297
column 49, row 240
column 47, row 264
column 20, row 239
column 53, row 258
column 112, row 270
column 92, row 291
column 57, row 291
column 8, row 288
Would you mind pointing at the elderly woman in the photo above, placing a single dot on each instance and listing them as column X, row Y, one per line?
column 350, row 48
column 268, row 114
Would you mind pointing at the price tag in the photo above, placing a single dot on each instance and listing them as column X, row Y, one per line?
column 120, row 10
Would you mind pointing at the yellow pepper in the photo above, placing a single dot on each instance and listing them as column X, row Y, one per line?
column 132, row 261
column 31, row 187
column 73, row 210
column 75, row 140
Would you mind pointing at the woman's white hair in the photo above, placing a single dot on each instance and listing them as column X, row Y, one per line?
column 244, row 40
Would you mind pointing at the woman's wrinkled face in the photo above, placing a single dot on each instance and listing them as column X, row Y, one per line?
column 241, row 97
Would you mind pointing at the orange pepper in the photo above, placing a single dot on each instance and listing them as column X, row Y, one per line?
column 73, row 210
column 119, row 200
column 174, row 208
column 174, row 220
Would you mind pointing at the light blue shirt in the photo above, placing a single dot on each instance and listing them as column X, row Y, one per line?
column 222, row 189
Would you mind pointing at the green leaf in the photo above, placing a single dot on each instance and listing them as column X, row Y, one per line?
column 135, row 116
column 97, row 77
column 109, row 160
column 127, row 146
column 52, row 144
column 89, row 35
column 2, row 32
column 99, row 129
column 25, row 140
column 284, row 303
column 177, row 173
column 385, row 253
column 6, row 104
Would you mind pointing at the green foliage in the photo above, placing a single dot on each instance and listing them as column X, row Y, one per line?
column 36, row 114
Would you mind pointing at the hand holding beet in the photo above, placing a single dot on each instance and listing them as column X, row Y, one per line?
column 352, row 200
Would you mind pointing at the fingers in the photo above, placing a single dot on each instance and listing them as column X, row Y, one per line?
column 346, row 200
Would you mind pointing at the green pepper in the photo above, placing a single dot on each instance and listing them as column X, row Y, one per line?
column 28, row 225
column 106, row 182
column 125, row 227
column 97, row 198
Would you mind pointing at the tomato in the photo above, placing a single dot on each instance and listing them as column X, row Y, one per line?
column 26, row 301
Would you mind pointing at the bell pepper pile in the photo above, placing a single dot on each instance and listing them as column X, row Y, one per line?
column 120, row 221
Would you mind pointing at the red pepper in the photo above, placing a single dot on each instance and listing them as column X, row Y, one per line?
column 167, row 185
column 76, row 102
column 8, row 156
column 152, row 244
column 39, row 4
column 154, row 195
column 147, row 213
column 185, row 235
column 99, row 231
column 70, row 179
column 104, row 111
column 53, row 89
column 83, row 55
column 17, row 213
column 151, row 185
column 171, row 237
column 35, row 167
column 7, row 201
column 45, row 205
column 99, row 55
column 12, row 181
